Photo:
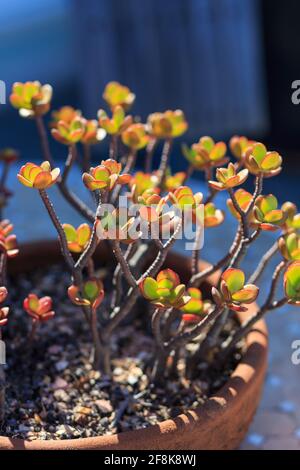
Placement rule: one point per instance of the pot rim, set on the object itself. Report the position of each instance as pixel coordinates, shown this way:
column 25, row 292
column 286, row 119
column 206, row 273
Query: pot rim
column 252, row 365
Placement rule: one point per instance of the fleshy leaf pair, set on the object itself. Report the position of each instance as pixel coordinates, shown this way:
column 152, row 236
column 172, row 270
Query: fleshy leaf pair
column 38, row 309
column 38, row 177
column 289, row 246
column 135, row 137
column 233, row 290
column 212, row 216
column 238, row 145
column 77, row 239
column 259, row 161
column 184, row 198
column 141, row 182
column 228, row 178
column 165, row 291
column 196, row 308
column 92, row 294
column 292, row 283
column 105, row 176
column 206, row 153
column 167, row 125
column 31, row 98
column 267, row 216
column 116, row 94
column 117, row 124
column 8, row 241
column 173, row 182
column 69, row 133
column 292, row 221
column 116, row 225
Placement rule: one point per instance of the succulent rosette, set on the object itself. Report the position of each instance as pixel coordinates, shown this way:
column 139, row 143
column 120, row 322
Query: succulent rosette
column 66, row 114
column 196, row 308
column 167, row 125
column 292, row 283
column 206, row 154
column 259, row 161
column 77, row 239
column 117, row 124
column 243, row 199
column 31, row 98
column 8, row 241
column 39, row 309
column 292, row 221
column 234, row 292
column 289, row 246
column 93, row 134
column 69, row 133
column 116, row 94
column 116, row 225
column 165, row 291
column 184, row 198
column 91, row 294
column 38, row 177
column 238, row 145
column 135, row 137
column 173, row 182
column 141, row 182
column 267, row 216
column 212, row 216
column 228, row 178
column 105, row 176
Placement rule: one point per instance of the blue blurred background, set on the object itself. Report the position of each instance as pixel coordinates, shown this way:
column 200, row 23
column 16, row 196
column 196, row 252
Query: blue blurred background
column 228, row 64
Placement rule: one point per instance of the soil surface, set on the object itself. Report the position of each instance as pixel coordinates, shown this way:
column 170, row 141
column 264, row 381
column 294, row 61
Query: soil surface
column 53, row 392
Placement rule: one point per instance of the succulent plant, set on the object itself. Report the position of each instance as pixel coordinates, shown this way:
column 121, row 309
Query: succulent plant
column 77, row 239
column 135, row 136
column 206, row 154
column 116, row 94
column 228, row 178
column 266, row 213
column 233, row 290
column 38, row 177
column 105, row 176
column 292, row 283
column 39, row 309
column 186, row 327
column 165, row 291
column 259, row 160
column 31, row 98
column 91, row 295
column 167, row 125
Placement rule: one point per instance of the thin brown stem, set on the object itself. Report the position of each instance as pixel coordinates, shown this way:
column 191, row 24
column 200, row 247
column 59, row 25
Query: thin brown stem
column 198, row 278
column 263, row 263
column 149, row 155
column 269, row 304
column 69, row 163
column 187, row 336
column 86, row 161
column 60, row 231
column 113, row 147
column 164, row 162
column 73, row 200
column 123, row 263
column 196, row 250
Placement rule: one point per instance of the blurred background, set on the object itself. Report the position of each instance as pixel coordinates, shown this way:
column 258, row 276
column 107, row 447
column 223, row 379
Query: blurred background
column 229, row 64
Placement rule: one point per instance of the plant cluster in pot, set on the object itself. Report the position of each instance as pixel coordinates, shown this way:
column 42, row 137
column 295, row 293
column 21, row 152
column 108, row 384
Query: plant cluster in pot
column 127, row 345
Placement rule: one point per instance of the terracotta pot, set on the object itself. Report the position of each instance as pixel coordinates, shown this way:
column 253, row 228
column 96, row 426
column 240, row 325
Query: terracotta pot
column 221, row 423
